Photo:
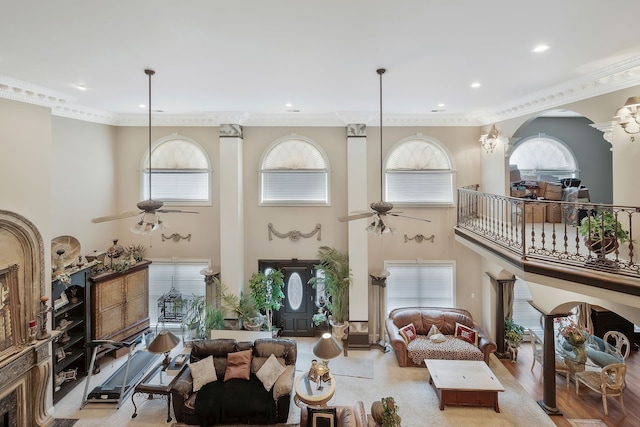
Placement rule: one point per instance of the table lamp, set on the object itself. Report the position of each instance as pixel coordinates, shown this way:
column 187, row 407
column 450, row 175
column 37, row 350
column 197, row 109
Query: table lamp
column 164, row 343
column 326, row 348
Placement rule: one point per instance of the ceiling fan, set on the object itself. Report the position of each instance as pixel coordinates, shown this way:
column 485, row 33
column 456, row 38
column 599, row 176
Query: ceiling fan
column 380, row 209
column 149, row 209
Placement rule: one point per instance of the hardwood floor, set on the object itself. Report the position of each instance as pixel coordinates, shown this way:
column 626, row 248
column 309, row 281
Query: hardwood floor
column 586, row 405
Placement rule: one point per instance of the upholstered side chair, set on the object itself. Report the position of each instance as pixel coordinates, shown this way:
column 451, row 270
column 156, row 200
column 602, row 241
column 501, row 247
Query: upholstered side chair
column 536, row 347
column 608, row 382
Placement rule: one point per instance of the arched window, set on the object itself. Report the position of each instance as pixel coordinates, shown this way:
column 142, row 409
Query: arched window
column 294, row 171
column 418, row 170
column 180, row 172
column 544, row 158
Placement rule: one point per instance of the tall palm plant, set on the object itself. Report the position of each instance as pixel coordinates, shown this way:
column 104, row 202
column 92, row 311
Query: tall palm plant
column 337, row 279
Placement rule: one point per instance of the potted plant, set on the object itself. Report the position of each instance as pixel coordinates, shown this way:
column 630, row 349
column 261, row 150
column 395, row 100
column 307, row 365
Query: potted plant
column 337, row 279
column 201, row 317
column 243, row 307
column 602, row 232
column 266, row 290
column 385, row 412
column 513, row 334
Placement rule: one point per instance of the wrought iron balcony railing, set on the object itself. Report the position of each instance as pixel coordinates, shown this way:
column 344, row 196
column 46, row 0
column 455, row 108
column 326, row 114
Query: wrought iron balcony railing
column 549, row 231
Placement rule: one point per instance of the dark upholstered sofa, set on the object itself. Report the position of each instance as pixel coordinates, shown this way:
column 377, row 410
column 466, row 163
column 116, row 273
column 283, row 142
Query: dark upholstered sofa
column 445, row 319
column 236, row 400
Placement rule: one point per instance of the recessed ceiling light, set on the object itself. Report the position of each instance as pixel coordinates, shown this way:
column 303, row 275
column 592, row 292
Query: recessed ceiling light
column 142, row 106
column 540, row 48
column 441, row 105
column 288, row 105
column 475, row 85
column 81, row 87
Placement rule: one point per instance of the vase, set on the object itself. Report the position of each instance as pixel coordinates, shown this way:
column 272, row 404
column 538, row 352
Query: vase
column 339, row 330
column 115, row 251
column 581, row 353
column 576, row 340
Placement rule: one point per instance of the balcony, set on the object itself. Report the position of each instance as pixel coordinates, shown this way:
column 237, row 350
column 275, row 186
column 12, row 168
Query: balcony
column 518, row 231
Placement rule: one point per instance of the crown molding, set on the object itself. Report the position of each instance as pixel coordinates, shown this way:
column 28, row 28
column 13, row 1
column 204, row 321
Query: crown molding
column 622, row 75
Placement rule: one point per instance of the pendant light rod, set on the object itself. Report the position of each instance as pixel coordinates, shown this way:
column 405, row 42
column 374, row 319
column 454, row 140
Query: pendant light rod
column 380, row 72
column 150, row 73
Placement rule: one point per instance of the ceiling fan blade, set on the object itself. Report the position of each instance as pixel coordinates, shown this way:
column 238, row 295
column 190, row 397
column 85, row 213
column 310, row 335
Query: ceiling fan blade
column 410, row 217
column 175, row 211
column 121, row 215
column 357, row 216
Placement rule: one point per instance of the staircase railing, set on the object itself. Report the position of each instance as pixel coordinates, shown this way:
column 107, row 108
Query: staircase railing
column 548, row 230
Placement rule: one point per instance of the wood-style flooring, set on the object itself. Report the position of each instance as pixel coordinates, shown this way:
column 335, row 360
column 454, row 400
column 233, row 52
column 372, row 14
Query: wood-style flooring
column 586, row 405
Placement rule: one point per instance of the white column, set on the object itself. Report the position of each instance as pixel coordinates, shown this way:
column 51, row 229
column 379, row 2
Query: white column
column 231, row 208
column 358, row 239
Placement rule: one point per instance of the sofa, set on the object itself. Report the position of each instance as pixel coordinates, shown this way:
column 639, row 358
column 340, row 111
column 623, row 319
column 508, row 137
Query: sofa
column 461, row 338
column 236, row 392
column 345, row 416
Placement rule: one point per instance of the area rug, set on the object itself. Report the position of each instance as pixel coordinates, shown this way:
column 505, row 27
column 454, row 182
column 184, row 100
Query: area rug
column 340, row 366
column 64, row 422
column 586, row 423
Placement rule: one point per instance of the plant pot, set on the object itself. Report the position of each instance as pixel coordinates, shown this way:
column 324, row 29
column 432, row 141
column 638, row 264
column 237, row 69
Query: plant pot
column 339, row 330
column 602, row 246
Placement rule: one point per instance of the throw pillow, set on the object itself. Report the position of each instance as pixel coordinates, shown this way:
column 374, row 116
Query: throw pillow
column 203, row 372
column 321, row 417
column 238, row 365
column 434, row 330
column 437, row 338
column 466, row 333
column 270, row 372
column 408, row 333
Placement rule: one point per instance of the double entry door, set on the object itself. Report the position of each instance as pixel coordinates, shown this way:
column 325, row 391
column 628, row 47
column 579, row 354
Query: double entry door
column 301, row 299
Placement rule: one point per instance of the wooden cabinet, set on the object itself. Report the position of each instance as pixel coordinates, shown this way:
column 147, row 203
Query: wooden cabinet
column 120, row 303
column 72, row 318
column 605, row 320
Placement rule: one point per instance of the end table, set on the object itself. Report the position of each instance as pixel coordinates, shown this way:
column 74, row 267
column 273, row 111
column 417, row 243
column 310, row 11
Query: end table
column 159, row 382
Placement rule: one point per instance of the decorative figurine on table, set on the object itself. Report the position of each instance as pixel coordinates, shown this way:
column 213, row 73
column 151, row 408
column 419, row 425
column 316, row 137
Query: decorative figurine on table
column 42, row 316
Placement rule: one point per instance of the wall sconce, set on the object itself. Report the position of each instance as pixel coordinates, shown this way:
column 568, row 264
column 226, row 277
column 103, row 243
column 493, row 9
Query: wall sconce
column 489, row 140
column 628, row 118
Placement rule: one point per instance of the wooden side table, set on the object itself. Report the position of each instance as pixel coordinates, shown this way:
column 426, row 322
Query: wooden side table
column 159, row 382
column 308, row 394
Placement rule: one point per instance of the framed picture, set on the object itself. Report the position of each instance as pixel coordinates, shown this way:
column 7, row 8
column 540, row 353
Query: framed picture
column 61, row 302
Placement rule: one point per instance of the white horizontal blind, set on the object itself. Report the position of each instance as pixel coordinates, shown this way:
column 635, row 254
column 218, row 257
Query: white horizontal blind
column 177, row 185
column 185, row 277
column 419, row 186
column 294, row 186
column 523, row 313
column 420, row 285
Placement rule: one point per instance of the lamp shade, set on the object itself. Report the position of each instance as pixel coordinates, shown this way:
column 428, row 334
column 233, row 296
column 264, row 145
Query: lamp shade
column 164, row 342
column 327, row 348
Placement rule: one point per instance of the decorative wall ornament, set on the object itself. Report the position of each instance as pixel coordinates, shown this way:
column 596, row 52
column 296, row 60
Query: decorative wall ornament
column 356, row 130
column 295, row 235
column 230, row 130
column 419, row 238
column 176, row 237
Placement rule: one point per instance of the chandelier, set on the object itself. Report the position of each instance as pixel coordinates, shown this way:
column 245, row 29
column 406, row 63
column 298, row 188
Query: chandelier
column 490, row 140
column 628, row 118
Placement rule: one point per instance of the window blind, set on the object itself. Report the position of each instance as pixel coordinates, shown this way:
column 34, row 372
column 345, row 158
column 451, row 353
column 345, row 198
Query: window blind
column 420, row 285
column 294, row 187
column 177, row 185
column 419, row 187
column 523, row 313
column 184, row 276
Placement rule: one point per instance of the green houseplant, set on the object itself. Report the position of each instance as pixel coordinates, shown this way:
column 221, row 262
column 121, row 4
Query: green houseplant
column 201, row 317
column 266, row 290
column 337, row 279
column 602, row 232
column 513, row 334
column 242, row 306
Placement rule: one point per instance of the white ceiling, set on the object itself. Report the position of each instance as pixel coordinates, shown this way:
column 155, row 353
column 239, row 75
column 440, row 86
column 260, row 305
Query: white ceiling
column 241, row 61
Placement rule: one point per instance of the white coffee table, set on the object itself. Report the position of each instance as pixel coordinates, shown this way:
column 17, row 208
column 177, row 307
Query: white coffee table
column 464, row 383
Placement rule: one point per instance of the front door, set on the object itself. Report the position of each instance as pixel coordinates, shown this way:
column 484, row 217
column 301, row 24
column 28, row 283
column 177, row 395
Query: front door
column 295, row 317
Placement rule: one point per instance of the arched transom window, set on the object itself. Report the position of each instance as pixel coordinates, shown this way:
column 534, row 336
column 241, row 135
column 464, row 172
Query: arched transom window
column 418, row 170
column 180, row 172
column 294, row 171
column 544, row 158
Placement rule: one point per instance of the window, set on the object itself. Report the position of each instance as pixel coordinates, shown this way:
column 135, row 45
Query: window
column 184, row 276
column 523, row 313
column 180, row 172
column 418, row 171
column 294, row 171
column 544, row 158
column 428, row 284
